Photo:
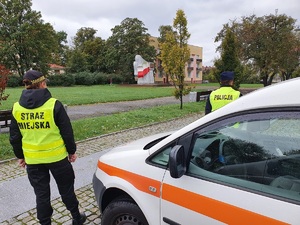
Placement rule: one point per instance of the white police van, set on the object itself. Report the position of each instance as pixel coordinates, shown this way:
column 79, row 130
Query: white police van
column 237, row 165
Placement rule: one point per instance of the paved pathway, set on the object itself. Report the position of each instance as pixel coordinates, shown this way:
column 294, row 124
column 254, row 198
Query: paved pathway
column 77, row 112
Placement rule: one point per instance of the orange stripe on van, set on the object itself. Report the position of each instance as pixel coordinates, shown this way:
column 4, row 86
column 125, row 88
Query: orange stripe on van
column 139, row 182
column 218, row 210
column 212, row 208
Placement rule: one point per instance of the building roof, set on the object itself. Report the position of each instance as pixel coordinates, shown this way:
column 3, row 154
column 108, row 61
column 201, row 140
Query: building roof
column 55, row 66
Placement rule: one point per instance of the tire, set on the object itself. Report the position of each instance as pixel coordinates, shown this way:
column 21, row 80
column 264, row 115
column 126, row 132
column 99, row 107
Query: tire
column 123, row 212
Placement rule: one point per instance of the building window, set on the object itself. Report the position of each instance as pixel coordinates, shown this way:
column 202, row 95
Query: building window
column 160, row 74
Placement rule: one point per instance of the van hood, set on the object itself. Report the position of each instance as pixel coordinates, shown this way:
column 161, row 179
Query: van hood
column 141, row 145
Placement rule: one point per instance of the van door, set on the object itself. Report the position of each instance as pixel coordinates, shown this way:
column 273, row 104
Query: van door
column 242, row 170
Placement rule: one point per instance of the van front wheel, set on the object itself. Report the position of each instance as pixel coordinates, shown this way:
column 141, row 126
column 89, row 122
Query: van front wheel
column 123, row 212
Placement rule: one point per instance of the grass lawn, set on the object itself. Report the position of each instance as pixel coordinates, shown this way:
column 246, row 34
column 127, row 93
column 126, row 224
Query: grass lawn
column 92, row 127
column 80, row 95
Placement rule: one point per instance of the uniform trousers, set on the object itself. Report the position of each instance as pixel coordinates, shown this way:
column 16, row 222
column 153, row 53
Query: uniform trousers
column 39, row 177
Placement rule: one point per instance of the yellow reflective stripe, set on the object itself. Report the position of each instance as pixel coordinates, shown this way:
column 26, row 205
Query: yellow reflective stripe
column 45, row 154
column 51, row 145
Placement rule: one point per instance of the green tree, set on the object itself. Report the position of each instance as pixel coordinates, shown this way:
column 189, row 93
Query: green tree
column 128, row 39
column 229, row 60
column 83, row 35
column 95, row 51
column 290, row 55
column 25, row 40
column 163, row 31
column 88, row 53
column 77, row 61
column 175, row 53
column 61, row 56
column 266, row 45
column 266, row 41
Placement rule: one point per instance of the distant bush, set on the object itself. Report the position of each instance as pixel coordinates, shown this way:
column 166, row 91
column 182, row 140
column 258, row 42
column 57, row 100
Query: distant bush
column 104, row 78
column 84, row 78
column 14, row 81
column 116, row 78
column 87, row 78
column 64, row 80
column 69, row 79
column 101, row 78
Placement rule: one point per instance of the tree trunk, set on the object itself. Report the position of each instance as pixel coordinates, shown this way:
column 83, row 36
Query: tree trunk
column 180, row 95
column 181, row 103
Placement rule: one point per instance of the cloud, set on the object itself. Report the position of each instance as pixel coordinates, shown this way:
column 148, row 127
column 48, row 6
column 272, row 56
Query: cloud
column 205, row 17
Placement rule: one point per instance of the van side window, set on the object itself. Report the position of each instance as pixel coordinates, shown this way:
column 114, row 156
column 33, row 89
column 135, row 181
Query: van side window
column 162, row 157
column 261, row 155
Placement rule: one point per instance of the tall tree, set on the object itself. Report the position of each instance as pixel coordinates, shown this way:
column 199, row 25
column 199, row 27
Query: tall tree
column 88, row 52
column 266, row 40
column 77, row 61
column 25, row 40
column 83, row 35
column 128, row 39
column 229, row 60
column 267, row 44
column 289, row 57
column 175, row 53
column 61, row 56
column 95, row 51
column 163, row 31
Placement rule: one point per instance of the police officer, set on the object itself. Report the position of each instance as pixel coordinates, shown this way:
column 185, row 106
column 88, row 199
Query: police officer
column 224, row 95
column 42, row 139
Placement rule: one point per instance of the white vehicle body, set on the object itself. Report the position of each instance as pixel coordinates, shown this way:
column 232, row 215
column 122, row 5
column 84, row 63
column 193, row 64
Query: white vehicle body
column 258, row 182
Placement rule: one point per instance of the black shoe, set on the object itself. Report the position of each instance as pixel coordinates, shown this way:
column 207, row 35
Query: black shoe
column 81, row 220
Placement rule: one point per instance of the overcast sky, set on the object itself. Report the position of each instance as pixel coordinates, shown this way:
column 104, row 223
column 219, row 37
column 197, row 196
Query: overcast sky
column 205, row 17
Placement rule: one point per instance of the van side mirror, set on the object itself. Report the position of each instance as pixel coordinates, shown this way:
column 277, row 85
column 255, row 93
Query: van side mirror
column 177, row 162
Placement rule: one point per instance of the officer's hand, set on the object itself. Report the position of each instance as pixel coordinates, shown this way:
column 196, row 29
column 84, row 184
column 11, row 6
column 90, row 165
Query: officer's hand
column 72, row 157
column 21, row 163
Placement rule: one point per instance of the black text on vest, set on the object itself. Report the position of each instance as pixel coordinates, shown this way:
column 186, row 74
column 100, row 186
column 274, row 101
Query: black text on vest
column 223, row 97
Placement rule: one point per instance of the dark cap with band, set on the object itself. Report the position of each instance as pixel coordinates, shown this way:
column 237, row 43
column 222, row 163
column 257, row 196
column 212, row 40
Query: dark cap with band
column 227, row 75
column 34, row 76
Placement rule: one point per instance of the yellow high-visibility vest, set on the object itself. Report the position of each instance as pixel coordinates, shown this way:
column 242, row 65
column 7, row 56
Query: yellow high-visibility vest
column 41, row 139
column 222, row 96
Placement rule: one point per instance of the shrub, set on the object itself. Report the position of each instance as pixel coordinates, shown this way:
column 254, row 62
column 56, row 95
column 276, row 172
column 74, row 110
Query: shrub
column 84, row 78
column 101, row 78
column 115, row 78
column 14, row 81
column 64, row 80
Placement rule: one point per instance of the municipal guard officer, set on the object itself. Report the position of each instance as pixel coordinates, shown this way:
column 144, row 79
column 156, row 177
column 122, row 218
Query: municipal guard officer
column 42, row 139
column 224, row 95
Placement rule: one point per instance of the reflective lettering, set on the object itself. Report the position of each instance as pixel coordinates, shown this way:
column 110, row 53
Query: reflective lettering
column 34, row 125
column 33, row 116
column 223, row 97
